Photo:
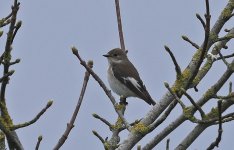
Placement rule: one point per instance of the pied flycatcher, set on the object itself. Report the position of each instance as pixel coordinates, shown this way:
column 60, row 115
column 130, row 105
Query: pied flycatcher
column 123, row 77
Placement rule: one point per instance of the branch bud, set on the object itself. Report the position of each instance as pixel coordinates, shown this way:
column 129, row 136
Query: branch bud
column 40, row 138
column 90, row 63
column 95, row 115
column 18, row 24
column 74, row 50
column 50, row 102
column 185, row 38
column 166, row 84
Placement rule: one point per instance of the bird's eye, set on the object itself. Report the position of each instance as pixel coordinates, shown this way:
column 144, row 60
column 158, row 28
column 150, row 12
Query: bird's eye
column 115, row 55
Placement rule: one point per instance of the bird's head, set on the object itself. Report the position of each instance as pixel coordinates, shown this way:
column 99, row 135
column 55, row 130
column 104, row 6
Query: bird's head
column 116, row 55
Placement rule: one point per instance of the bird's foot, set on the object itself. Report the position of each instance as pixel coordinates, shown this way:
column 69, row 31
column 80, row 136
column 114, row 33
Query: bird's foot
column 123, row 101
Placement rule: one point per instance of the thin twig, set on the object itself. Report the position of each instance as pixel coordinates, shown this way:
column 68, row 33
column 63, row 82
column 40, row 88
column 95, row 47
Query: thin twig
column 6, row 20
column 98, row 136
column 12, row 138
column 230, row 95
column 177, row 67
column 121, row 36
column 227, row 56
column 201, row 20
column 225, row 38
column 223, row 59
column 101, row 83
column 131, row 124
column 168, row 144
column 156, row 123
column 220, row 130
column 193, row 102
column 5, row 23
column 18, row 25
column 102, row 119
column 38, row 142
column 8, row 48
column 205, row 44
column 230, row 87
column 70, row 125
column 192, row 43
column 174, row 95
column 7, row 75
column 34, row 119
column 15, row 62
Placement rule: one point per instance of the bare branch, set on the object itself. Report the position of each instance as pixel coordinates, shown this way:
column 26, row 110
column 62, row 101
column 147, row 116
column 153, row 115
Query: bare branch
column 230, row 95
column 70, row 125
column 227, row 56
column 168, row 144
column 156, row 123
column 5, row 21
column 177, row 67
column 192, row 43
column 8, row 48
column 34, row 119
column 102, row 119
column 191, row 137
column 7, row 75
column 18, row 25
column 201, row 20
column 227, row 37
column 39, row 139
column 175, row 96
column 98, row 136
column 159, row 137
column 193, row 102
column 224, row 60
column 191, row 72
column 230, row 87
column 220, row 130
column 15, row 62
column 120, row 28
column 205, row 45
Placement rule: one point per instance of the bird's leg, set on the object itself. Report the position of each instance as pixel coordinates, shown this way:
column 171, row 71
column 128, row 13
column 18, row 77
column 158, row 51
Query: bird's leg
column 123, row 100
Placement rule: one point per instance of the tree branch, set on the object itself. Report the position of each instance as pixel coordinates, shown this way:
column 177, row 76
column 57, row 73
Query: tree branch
column 201, row 20
column 224, row 60
column 34, row 119
column 156, row 123
column 121, row 36
column 8, row 48
column 103, row 120
column 168, row 144
column 98, row 136
column 177, row 67
column 194, row 103
column 39, row 139
column 70, row 125
column 174, row 95
column 192, row 43
column 220, row 130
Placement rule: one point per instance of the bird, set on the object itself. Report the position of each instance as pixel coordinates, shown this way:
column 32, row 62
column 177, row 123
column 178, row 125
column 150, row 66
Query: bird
column 124, row 78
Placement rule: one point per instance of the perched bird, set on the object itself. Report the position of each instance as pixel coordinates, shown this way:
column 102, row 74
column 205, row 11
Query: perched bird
column 123, row 77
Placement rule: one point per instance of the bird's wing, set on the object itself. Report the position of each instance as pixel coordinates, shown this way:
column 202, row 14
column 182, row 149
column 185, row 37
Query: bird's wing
column 131, row 79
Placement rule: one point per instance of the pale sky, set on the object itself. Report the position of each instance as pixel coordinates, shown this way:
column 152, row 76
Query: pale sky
column 48, row 69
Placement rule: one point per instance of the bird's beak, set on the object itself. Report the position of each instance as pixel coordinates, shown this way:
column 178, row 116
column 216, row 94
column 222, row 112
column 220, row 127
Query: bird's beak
column 106, row 55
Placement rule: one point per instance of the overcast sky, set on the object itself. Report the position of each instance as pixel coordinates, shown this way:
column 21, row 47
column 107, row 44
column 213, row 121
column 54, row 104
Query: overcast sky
column 49, row 70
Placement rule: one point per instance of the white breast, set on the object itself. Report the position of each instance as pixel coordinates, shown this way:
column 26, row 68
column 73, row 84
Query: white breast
column 117, row 86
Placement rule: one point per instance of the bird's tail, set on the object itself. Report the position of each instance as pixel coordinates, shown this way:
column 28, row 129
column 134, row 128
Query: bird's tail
column 149, row 100
column 152, row 102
